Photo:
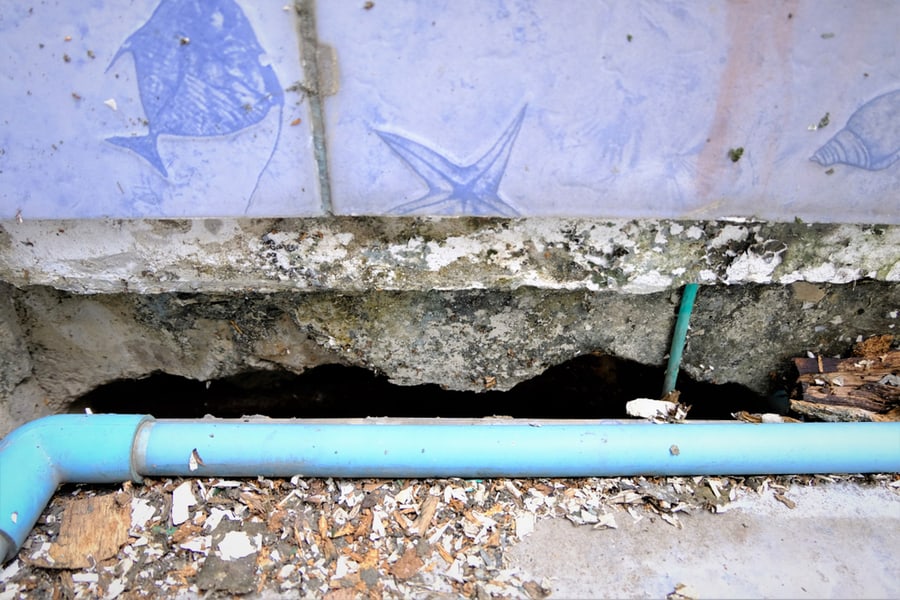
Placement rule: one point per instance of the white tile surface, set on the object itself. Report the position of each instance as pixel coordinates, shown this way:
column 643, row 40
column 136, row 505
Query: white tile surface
column 200, row 82
column 176, row 108
column 627, row 108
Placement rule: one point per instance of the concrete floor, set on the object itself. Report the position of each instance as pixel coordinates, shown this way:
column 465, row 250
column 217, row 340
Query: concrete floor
column 839, row 541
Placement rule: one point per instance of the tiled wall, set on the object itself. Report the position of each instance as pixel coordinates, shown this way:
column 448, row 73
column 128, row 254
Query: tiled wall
column 627, row 108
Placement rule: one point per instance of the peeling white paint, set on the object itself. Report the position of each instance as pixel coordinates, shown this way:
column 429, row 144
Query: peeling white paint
column 694, row 233
column 826, row 273
column 707, row 276
column 412, row 248
column 647, row 283
column 728, row 235
column 440, row 255
column 221, row 255
column 751, row 267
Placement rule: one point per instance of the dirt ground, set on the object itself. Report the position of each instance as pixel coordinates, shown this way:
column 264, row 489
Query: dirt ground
column 676, row 537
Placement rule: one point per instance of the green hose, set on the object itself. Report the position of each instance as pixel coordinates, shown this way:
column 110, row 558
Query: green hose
column 679, row 336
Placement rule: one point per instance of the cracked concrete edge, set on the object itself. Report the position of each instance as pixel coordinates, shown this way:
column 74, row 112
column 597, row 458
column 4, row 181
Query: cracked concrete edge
column 354, row 254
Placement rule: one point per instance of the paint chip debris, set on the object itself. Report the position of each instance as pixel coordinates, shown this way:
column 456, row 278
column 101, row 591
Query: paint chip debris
column 237, row 544
column 111, row 102
column 141, row 512
column 333, row 538
column 524, row 524
column 606, row 521
column 182, row 500
column 195, row 462
column 659, row 411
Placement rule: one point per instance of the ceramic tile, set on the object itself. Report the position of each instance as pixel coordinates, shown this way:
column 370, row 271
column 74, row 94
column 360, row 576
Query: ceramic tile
column 174, row 108
column 615, row 109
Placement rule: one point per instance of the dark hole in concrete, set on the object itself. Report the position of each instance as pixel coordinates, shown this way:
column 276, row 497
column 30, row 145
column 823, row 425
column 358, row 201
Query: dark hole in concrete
column 587, row 387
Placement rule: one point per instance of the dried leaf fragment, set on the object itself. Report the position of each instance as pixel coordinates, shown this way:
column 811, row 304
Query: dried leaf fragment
column 448, row 558
column 408, row 565
column 426, row 514
column 785, row 500
column 681, row 592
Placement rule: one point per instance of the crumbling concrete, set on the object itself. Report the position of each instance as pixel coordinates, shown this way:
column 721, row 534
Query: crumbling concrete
column 15, row 357
column 469, row 304
column 347, row 254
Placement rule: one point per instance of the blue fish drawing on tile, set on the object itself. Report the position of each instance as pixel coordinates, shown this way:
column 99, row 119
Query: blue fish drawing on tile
column 453, row 188
column 199, row 74
column 871, row 138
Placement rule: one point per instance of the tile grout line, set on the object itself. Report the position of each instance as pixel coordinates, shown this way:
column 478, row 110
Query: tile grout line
column 306, row 25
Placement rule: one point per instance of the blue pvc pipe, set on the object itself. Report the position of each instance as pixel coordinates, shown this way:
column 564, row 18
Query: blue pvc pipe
column 113, row 448
column 37, row 457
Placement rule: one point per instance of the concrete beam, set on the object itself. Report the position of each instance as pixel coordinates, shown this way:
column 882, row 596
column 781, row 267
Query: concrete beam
column 356, row 254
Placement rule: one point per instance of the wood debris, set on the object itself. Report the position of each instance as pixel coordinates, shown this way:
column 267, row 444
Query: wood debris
column 860, row 388
column 93, row 529
column 331, row 538
column 747, row 417
column 785, row 500
column 873, row 346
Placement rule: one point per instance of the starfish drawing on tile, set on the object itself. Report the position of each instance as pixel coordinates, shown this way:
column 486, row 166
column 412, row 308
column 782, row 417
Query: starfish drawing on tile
column 458, row 189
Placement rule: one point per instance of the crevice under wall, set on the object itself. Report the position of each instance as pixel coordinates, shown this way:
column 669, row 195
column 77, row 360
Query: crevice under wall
column 59, row 346
column 468, row 304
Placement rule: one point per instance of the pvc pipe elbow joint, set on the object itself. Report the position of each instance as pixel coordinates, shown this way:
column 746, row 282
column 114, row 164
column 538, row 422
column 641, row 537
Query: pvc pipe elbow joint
column 38, row 456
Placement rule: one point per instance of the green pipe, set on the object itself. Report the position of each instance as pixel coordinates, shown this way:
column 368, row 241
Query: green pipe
column 679, row 337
